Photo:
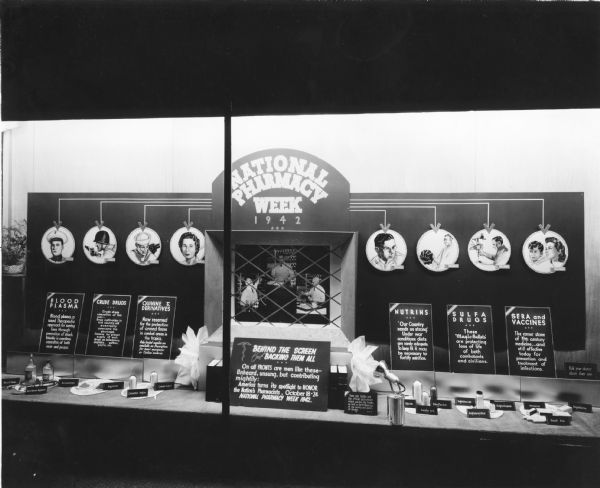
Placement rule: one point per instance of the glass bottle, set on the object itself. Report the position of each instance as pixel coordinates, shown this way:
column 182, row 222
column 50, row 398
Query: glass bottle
column 48, row 372
column 30, row 371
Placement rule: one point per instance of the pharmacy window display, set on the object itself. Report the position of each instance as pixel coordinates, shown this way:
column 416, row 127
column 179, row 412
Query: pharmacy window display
column 388, row 306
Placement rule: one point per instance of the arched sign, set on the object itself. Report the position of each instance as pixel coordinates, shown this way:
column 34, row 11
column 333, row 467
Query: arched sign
column 284, row 189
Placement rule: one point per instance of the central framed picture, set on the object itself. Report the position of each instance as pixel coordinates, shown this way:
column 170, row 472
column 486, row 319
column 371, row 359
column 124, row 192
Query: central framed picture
column 283, row 284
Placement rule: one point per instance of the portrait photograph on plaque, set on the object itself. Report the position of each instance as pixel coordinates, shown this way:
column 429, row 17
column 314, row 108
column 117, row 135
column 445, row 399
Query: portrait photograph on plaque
column 100, row 245
column 489, row 250
column 143, row 246
column 437, row 250
column 187, row 246
column 545, row 252
column 386, row 250
column 58, row 245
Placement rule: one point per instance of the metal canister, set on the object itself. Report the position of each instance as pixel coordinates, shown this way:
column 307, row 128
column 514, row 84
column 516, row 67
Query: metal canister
column 395, row 407
column 153, row 379
column 433, row 394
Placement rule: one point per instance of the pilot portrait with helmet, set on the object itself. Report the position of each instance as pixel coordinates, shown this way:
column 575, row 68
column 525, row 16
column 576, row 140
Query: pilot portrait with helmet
column 100, row 245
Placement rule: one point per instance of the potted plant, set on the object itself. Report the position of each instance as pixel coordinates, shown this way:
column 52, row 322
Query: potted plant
column 14, row 247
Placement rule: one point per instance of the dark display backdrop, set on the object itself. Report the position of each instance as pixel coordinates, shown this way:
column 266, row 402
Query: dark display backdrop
column 563, row 292
column 60, row 58
column 168, row 278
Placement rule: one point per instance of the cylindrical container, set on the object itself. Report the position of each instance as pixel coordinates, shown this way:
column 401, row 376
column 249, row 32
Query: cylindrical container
column 395, row 405
column 479, row 399
column 418, row 392
column 425, row 398
column 153, row 378
column 132, row 381
column 433, row 393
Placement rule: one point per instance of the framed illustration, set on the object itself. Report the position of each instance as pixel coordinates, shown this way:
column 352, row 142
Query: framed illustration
column 187, row 246
column 143, row 246
column 437, row 250
column 58, row 245
column 545, row 252
column 100, row 245
column 386, row 250
column 489, row 250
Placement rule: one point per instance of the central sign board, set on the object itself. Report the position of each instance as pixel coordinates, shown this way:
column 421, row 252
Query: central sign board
column 272, row 373
column 284, row 189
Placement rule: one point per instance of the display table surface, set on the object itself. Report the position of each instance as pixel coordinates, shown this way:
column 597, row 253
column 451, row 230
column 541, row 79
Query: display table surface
column 183, row 400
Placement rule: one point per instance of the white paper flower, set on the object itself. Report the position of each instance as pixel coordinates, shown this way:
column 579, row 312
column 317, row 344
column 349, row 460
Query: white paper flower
column 189, row 356
column 362, row 366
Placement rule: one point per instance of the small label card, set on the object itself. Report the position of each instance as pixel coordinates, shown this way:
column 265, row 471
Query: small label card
column 504, row 405
column 410, row 403
column 360, row 403
column 528, row 405
column 113, row 385
column 427, row 410
column 587, row 371
column 68, row 382
column 10, row 382
column 36, row 390
column 552, row 420
column 164, row 385
column 478, row 413
column 464, row 401
column 446, row 404
column 581, row 407
column 137, row 392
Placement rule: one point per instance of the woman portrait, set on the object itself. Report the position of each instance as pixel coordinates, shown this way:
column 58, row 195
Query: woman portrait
column 187, row 246
column 555, row 251
column 545, row 253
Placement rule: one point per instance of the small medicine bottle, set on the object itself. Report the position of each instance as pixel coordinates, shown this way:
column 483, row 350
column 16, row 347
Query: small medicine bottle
column 30, row 371
column 48, row 372
column 479, row 399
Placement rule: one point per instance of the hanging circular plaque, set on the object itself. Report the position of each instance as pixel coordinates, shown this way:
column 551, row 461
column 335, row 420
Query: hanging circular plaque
column 143, row 246
column 100, row 245
column 58, row 245
column 489, row 250
column 546, row 252
column 386, row 250
column 437, row 251
column 187, row 246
